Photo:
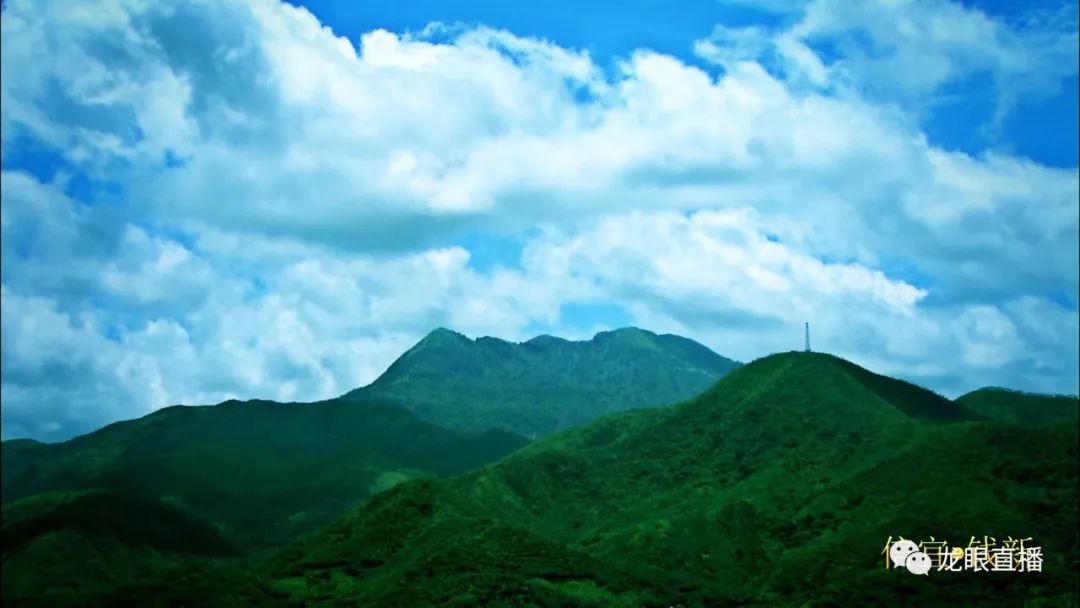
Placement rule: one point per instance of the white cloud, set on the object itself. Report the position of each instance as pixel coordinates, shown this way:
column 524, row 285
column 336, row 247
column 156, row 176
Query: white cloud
column 918, row 53
column 718, row 274
column 306, row 237
column 733, row 45
column 151, row 270
column 914, row 49
column 989, row 337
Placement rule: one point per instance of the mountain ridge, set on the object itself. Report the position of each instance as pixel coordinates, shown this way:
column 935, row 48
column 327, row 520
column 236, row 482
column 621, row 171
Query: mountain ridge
column 544, row 384
column 1021, row 407
column 239, row 439
column 776, row 486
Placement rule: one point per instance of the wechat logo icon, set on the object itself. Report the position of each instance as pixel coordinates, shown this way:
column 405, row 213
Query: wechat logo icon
column 918, row 563
column 906, row 554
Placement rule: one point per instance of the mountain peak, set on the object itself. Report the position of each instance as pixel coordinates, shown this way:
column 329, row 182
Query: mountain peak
column 545, row 339
column 442, row 334
column 441, row 338
column 626, row 331
column 626, row 335
column 818, row 375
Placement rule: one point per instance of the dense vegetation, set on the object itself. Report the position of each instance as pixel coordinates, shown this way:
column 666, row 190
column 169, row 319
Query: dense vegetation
column 265, row 472
column 1017, row 407
column 105, row 548
column 777, row 486
column 546, row 384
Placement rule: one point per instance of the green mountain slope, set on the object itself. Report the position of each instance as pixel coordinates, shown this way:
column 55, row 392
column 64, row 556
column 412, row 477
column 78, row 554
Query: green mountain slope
column 1022, row 408
column 779, row 486
column 266, row 472
column 135, row 520
column 545, row 384
column 109, row 548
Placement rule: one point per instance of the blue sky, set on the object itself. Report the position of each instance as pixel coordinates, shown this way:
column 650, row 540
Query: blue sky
column 267, row 200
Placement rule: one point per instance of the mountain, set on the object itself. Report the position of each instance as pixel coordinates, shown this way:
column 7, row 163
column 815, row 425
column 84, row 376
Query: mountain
column 1018, row 407
column 546, row 384
column 267, row 472
column 779, row 486
column 108, row 548
column 264, row 472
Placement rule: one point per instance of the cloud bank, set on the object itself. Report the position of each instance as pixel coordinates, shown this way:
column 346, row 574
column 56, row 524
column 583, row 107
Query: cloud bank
column 243, row 204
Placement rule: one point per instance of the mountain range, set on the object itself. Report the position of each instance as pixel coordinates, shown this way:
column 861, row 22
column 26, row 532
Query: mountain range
column 776, row 483
column 266, row 471
column 778, row 486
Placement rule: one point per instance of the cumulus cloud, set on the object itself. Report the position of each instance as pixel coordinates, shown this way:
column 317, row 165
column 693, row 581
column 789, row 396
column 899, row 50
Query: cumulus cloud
column 289, row 200
column 719, row 276
column 915, row 52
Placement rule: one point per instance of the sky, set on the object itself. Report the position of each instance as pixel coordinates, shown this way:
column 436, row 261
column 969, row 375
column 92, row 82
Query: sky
column 254, row 199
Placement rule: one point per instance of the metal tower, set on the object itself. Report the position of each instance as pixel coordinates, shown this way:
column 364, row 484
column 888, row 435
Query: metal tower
column 807, row 336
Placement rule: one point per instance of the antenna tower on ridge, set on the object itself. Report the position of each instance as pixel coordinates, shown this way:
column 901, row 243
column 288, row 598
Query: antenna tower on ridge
column 807, row 336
